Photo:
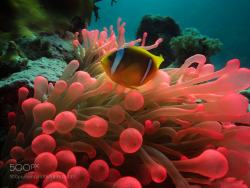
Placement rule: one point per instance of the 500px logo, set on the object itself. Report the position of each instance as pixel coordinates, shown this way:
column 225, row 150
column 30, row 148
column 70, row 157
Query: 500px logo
column 22, row 167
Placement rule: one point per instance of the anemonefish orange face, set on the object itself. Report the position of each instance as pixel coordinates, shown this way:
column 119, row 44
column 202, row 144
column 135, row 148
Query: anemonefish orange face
column 131, row 66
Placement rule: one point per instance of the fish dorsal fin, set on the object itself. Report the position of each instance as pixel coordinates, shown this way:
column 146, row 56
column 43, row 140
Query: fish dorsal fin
column 157, row 59
column 141, row 50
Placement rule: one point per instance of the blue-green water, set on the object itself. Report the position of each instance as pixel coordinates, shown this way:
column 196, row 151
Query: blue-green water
column 228, row 20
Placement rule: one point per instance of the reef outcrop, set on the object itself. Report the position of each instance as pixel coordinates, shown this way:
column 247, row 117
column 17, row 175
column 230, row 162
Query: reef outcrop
column 191, row 42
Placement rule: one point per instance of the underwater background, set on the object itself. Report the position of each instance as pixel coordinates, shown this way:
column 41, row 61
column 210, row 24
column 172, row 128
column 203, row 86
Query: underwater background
column 227, row 20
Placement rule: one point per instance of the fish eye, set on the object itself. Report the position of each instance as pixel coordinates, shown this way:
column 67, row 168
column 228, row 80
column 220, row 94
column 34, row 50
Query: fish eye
column 111, row 57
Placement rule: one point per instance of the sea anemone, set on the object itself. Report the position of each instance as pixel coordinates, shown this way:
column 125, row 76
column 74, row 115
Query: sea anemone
column 184, row 128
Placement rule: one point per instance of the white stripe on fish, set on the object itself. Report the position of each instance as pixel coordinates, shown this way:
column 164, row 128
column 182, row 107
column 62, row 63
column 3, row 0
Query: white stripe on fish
column 118, row 58
column 147, row 71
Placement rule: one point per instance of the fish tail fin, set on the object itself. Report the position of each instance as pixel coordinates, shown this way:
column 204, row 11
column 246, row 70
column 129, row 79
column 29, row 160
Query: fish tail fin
column 158, row 60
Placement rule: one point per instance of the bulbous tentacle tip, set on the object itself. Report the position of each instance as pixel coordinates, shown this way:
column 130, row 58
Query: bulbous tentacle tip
column 130, row 140
column 126, row 182
column 210, row 163
column 98, row 170
column 78, row 176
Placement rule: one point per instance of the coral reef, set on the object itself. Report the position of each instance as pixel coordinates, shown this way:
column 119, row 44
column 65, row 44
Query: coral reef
column 15, row 55
column 185, row 128
column 192, row 42
column 49, row 68
column 160, row 27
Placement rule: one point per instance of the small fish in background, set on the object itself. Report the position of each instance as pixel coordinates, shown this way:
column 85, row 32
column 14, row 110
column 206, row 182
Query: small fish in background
column 131, row 66
column 96, row 8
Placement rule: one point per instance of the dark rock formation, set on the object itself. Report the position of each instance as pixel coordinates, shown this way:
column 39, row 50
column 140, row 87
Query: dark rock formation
column 160, row 27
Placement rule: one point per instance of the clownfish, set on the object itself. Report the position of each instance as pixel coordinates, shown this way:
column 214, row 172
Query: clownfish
column 131, row 66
